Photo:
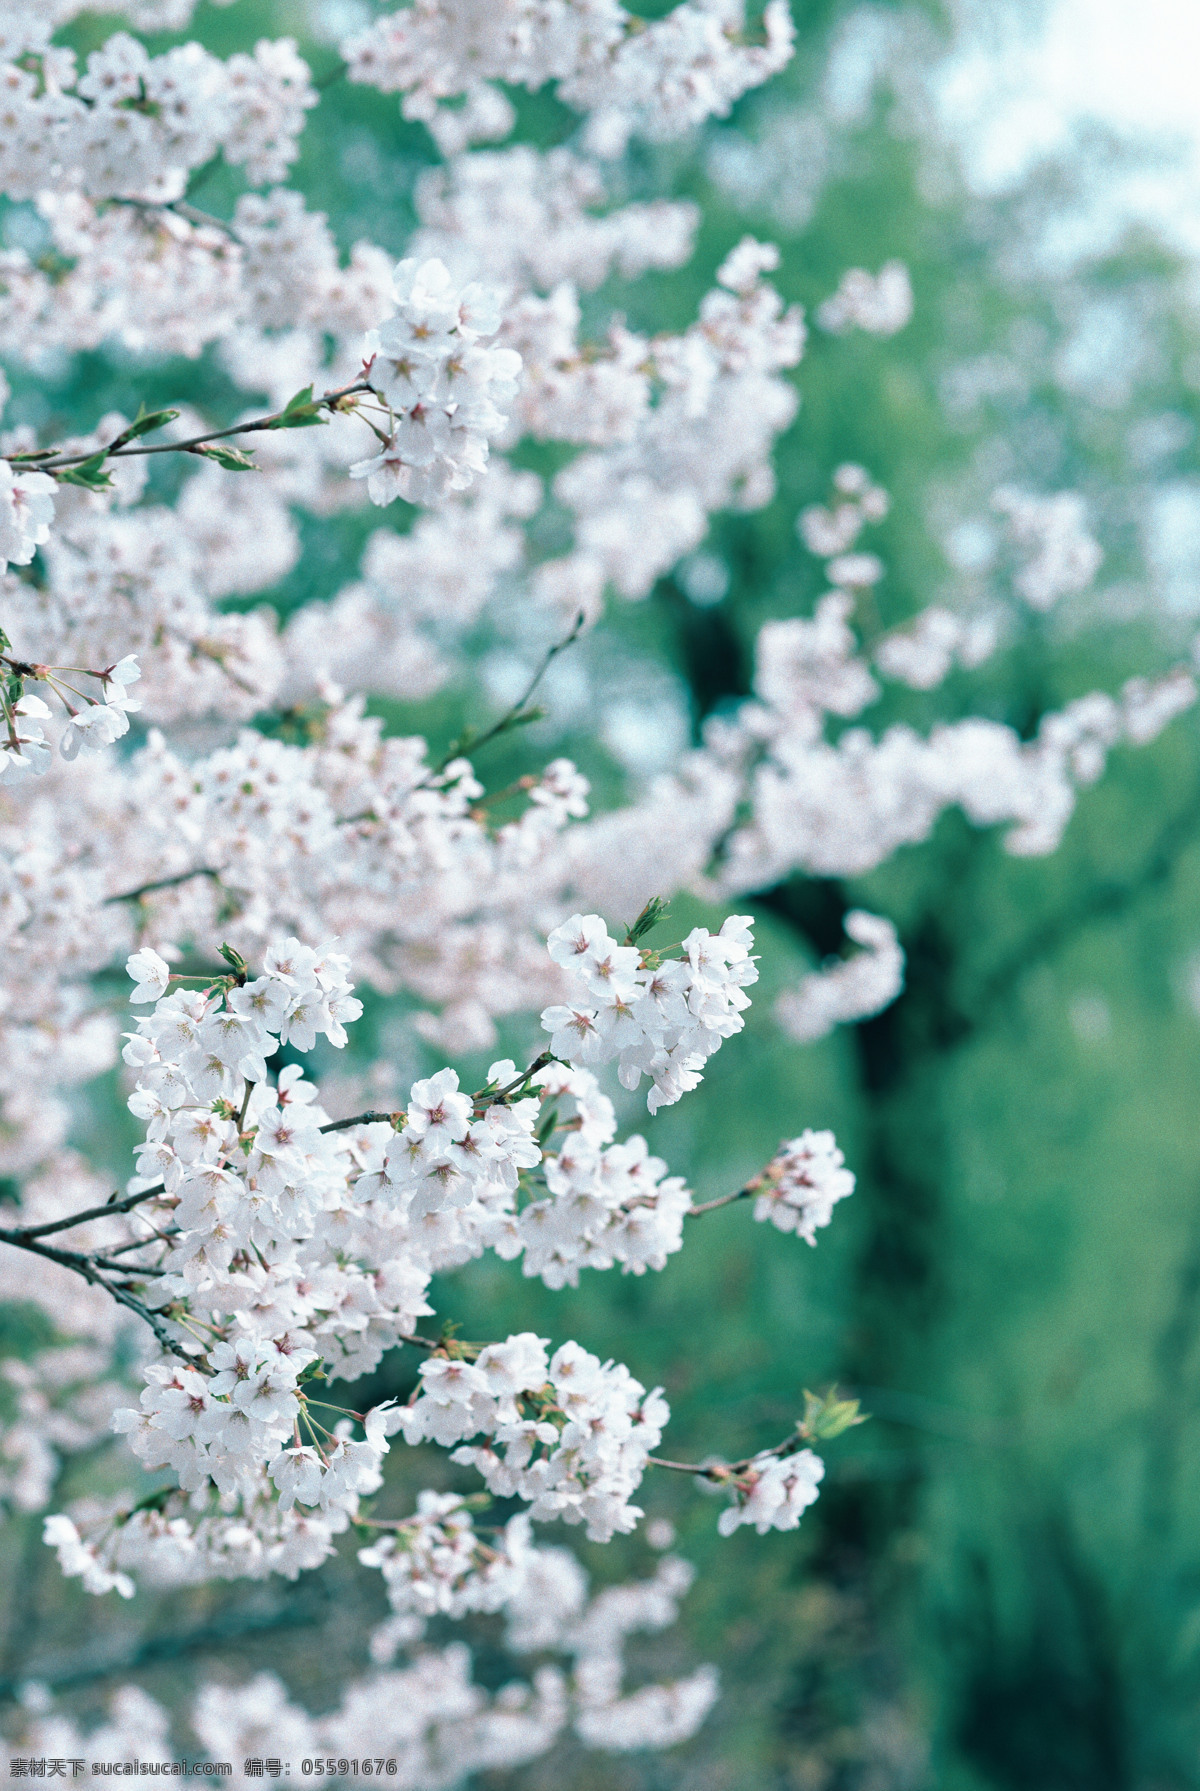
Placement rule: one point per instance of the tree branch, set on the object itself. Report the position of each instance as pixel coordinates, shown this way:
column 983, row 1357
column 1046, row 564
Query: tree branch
column 710, row 1206
column 721, row 1471
column 88, row 1268
column 145, row 889
column 39, row 464
column 23, row 1236
column 362, row 1119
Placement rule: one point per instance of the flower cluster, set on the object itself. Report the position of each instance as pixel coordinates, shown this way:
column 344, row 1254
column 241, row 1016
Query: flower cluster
column 658, row 1017
column 1061, row 555
column 427, row 1713
column 437, row 1561
column 442, row 383
column 569, row 1434
column 832, row 530
column 452, row 1153
column 881, row 304
column 100, row 721
column 773, row 1492
column 609, row 1203
column 135, row 125
column 529, row 218
column 643, row 502
column 26, row 512
column 270, row 1247
column 660, row 77
column 802, row 1184
column 852, row 990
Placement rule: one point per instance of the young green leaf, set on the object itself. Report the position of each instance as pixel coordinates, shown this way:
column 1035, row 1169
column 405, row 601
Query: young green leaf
column 654, row 911
column 300, row 412
column 234, row 460
column 826, row 1416
column 90, row 474
column 142, row 424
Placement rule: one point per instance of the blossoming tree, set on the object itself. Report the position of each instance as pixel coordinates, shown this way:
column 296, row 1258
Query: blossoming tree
column 266, row 839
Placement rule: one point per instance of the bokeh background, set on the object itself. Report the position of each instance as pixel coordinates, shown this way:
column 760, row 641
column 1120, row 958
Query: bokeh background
column 999, row 1589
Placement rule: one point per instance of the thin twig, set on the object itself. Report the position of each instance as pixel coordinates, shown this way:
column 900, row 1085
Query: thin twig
column 86, row 1267
column 145, row 889
column 192, row 214
column 489, row 1099
column 128, row 1268
column 472, row 743
column 501, row 1094
column 361, row 1119
column 21, row 1238
column 727, row 1470
column 156, row 1237
column 192, row 443
column 710, row 1206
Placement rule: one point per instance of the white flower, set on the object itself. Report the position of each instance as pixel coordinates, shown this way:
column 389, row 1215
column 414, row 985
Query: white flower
column 29, row 751
column 443, row 387
column 774, row 1493
column 117, row 680
column 438, row 1113
column 95, row 727
column 664, row 1021
column 297, row 1473
column 151, row 973
column 803, row 1183
column 26, row 512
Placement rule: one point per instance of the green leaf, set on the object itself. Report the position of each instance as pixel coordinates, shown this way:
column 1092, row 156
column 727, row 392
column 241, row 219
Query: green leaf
column 315, row 1371
column 233, row 958
column 654, row 911
column 90, row 474
column 153, row 1501
column 826, row 1416
column 234, row 460
column 142, row 424
column 548, row 1124
column 301, row 411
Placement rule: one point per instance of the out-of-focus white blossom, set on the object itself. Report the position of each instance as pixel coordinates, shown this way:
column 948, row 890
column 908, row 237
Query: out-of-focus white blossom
column 26, row 512
column 854, row 990
column 881, row 304
column 661, row 77
column 1062, row 557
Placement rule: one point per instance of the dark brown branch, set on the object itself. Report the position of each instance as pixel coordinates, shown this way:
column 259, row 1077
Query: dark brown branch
column 22, row 1237
column 88, row 1268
